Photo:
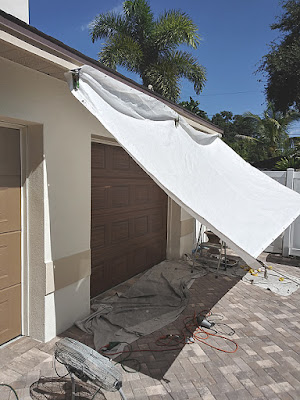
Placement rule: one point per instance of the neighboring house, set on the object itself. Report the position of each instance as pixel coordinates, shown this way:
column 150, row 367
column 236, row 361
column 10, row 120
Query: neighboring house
column 77, row 215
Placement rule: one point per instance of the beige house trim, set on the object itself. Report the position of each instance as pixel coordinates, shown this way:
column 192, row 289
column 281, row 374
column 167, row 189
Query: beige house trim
column 187, row 226
column 67, row 270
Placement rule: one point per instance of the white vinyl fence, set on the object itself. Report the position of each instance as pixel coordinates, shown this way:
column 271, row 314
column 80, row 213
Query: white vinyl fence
column 289, row 242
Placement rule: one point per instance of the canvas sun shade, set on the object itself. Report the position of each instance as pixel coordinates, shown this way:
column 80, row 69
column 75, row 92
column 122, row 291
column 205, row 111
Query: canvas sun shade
column 243, row 206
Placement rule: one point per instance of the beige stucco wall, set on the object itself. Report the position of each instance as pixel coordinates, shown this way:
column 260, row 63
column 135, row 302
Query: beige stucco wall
column 59, row 195
column 187, row 237
column 17, row 8
column 181, row 231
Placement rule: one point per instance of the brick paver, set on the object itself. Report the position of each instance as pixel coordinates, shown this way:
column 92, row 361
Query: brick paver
column 266, row 365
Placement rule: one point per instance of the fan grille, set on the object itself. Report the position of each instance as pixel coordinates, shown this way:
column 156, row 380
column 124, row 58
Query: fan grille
column 87, row 364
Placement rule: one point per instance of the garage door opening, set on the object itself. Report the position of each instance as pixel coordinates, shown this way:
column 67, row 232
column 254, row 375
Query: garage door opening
column 129, row 219
column 10, row 234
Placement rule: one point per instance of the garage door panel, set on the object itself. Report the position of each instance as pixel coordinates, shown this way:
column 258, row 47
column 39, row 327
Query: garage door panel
column 116, row 232
column 137, row 170
column 100, row 217
column 120, row 231
column 10, row 316
column 141, row 194
column 140, row 261
column 118, row 268
column 109, row 274
column 10, row 214
column 141, row 225
column 10, row 249
column 120, row 196
column 119, row 158
column 98, row 236
column 114, row 158
column 128, row 219
column 111, row 250
column 98, row 161
column 157, row 222
column 100, row 197
column 156, row 252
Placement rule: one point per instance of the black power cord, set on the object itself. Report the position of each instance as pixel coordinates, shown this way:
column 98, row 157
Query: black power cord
column 11, row 388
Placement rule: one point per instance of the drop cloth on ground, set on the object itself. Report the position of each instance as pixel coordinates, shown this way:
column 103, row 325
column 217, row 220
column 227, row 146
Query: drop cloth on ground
column 155, row 300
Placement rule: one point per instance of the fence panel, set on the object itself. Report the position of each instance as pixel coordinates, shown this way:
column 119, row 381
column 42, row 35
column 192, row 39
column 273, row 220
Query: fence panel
column 295, row 228
column 277, row 245
column 289, row 242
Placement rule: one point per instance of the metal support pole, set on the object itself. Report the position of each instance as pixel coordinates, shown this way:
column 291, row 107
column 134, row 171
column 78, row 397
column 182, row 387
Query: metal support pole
column 266, row 272
column 220, row 256
column 73, row 386
column 196, row 249
column 122, row 394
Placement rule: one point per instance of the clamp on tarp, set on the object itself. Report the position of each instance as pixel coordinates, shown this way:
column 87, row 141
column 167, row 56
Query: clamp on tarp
column 75, row 78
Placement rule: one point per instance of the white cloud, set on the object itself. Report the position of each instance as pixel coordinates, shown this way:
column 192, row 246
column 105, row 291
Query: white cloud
column 86, row 26
column 294, row 129
column 117, row 9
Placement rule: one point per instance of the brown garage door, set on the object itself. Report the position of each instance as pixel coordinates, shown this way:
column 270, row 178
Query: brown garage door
column 10, row 235
column 129, row 219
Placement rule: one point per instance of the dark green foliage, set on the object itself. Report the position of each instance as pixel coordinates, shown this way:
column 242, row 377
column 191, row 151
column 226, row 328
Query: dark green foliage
column 240, row 134
column 282, row 64
column 193, row 106
column 292, row 159
column 257, row 138
column 148, row 47
column 272, row 129
column 288, row 162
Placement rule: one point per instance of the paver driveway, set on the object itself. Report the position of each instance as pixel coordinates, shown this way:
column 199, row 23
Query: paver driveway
column 265, row 366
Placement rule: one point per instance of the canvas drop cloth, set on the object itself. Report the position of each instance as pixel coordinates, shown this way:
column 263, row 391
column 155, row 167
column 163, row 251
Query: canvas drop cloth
column 243, row 206
column 155, row 300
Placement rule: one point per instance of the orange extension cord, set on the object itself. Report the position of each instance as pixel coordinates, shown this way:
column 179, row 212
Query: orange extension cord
column 200, row 331
column 177, row 341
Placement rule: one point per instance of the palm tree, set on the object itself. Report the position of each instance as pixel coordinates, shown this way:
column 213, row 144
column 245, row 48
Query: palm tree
column 272, row 129
column 149, row 47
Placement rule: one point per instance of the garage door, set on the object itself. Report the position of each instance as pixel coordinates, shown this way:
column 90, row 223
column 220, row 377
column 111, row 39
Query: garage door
column 10, row 235
column 129, row 219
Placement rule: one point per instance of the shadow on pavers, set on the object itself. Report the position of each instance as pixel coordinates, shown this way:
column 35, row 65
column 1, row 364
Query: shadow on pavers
column 279, row 259
column 204, row 294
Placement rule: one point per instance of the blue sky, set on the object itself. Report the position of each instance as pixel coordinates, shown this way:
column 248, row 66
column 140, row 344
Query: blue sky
column 235, row 35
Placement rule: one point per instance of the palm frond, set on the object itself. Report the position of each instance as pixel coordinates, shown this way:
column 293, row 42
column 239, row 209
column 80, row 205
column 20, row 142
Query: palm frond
column 162, row 76
column 174, row 28
column 248, row 138
column 121, row 50
column 276, row 124
column 107, row 25
column 188, row 67
column 249, row 114
column 139, row 18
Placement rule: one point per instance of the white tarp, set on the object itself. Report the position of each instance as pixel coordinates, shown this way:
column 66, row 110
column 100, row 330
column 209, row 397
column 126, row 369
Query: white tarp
column 243, row 206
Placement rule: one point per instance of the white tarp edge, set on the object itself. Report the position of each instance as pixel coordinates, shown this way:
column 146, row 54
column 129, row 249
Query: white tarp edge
column 243, row 206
